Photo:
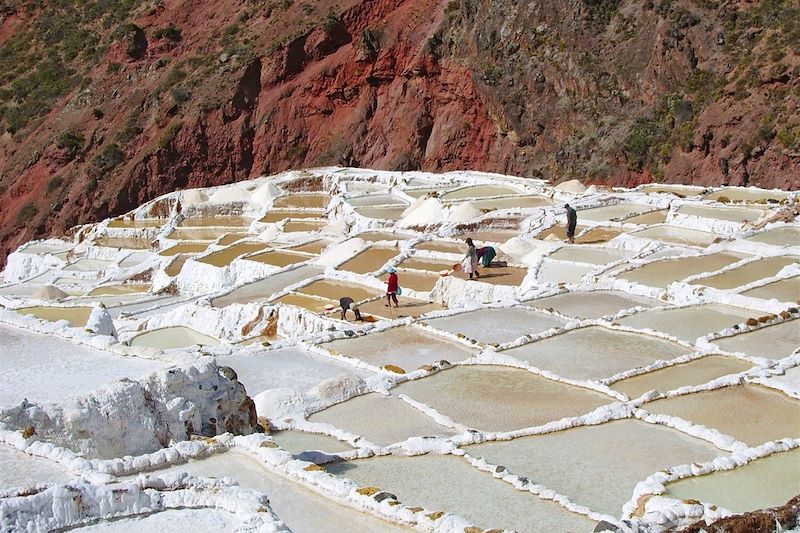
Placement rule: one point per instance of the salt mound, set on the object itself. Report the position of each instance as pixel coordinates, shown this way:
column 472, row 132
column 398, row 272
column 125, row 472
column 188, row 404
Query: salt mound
column 228, row 195
column 100, row 322
column 431, row 211
column 335, row 255
column 571, row 186
column 464, row 212
column 552, row 238
column 193, row 197
column 415, row 204
column 49, row 292
column 265, row 194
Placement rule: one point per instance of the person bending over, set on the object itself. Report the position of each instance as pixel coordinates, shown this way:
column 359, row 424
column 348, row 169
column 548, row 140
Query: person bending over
column 346, row 304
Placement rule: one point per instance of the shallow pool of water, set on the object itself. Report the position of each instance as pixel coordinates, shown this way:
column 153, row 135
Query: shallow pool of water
column 418, row 281
column 666, row 271
column 137, row 223
column 370, row 260
column 424, row 263
column 689, row 323
column 498, row 275
column 442, row 246
column 176, row 265
column 682, row 190
column 787, row 236
column 371, row 200
column 589, row 254
column 185, row 248
column 751, row 413
column 311, row 201
column 653, row 217
column 198, row 234
column 382, row 213
column 613, row 212
column 88, row 265
column 367, row 416
column 496, row 398
column 593, row 304
column 732, row 214
column 767, row 482
column 741, row 194
column 226, row 256
column 485, row 237
column 497, row 325
column 205, row 519
column 172, row 337
column 449, row 483
column 334, row 290
column 299, row 443
column 595, row 352
column 314, row 304
column 774, row 342
column 76, row 316
column 551, row 271
column 692, row 373
column 677, row 235
column 313, row 247
column 512, row 202
column 297, row 226
column 215, row 221
column 118, row 290
column 593, row 236
column 377, row 236
column 280, row 258
column 785, row 290
column 763, row 268
column 408, row 347
column 230, row 238
column 408, row 307
column 276, row 215
column 597, row 466
column 265, row 288
column 130, row 243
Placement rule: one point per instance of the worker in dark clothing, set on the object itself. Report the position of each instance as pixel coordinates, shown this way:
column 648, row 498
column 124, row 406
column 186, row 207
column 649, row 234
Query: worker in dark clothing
column 347, row 303
column 572, row 221
column 486, row 255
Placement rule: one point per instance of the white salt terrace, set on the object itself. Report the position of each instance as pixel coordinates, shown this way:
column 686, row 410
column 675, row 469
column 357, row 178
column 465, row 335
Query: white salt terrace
column 526, row 380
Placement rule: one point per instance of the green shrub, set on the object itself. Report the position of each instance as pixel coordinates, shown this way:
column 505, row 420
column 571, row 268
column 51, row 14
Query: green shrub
column 27, row 212
column 55, row 183
column 170, row 32
column 109, row 159
column 71, row 142
column 180, row 95
column 788, row 137
column 113, row 67
column 169, row 134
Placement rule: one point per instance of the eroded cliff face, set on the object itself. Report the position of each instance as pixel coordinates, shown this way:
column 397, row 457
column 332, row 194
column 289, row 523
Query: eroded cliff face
column 105, row 108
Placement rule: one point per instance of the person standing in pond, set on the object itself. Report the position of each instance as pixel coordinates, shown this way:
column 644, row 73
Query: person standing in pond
column 572, row 221
column 486, row 255
column 391, row 287
column 471, row 259
column 346, row 304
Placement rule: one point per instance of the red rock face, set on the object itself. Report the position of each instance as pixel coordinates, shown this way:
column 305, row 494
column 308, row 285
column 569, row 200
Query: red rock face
column 554, row 90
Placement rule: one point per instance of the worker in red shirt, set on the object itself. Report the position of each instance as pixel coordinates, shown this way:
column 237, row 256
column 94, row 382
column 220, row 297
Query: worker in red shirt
column 392, row 287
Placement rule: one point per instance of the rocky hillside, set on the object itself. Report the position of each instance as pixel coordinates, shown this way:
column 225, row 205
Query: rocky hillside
column 107, row 103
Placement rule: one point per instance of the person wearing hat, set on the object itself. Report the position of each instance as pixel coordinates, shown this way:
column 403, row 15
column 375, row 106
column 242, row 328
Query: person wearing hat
column 347, row 303
column 392, row 286
column 572, row 221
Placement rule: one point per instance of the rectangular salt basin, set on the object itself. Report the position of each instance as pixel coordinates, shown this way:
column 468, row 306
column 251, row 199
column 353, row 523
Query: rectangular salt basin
column 689, row 323
column 377, row 236
column 595, row 352
column 200, row 519
column 172, row 337
column 290, row 500
column 496, row 326
column 751, row 413
column 741, row 194
column 296, row 226
column 597, row 466
column 313, row 247
column 118, row 290
column 512, row 202
column 679, row 190
column 613, row 212
column 442, row 246
column 369, row 415
column 215, row 221
column 44, row 368
column 763, row 268
column 292, row 368
column 21, row 471
column 449, row 483
column 590, row 254
column 76, row 316
column 198, row 234
column 732, row 214
column 407, row 347
column 370, row 260
column 663, row 272
column 496, row 398
column 785, row 290
column 498, row 275
column 418, row 281
column 88, row 265
column 137, row 223
column 551, row 271
column 280, row 258
column 593, row 304
column 673, row 377
column 185, row 248
column 766, row 482
column 130, row 243
column 372, row 200
column 230, row 238
column 478, row 191
column 311, row 201
column 315, row 304
column 226, row 256
column 489, row 236
column 300, row 443
column 408, row 307
column 265, row 288
column 592, row 236
column 382, row 213
column 334, row 290
column 772, row 342
column 176, row 265
column 277, row 215
column 424, row 263
column 784, row 236
column 677, row 235
column 653, row 217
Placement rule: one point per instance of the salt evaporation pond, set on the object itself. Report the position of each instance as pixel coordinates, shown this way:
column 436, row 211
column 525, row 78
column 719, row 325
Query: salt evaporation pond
column 227, row 255
column 785, row 290
column 21, row 471
column 759, row 269
column 665, row 271
column 689, row 323
column 773, row 342
column 480, row 191
column 310, row 201
column 677, row 235
column 300, row 443
column 215, row 221
column 136, row 223
column 278, row 215
column 170, row 520
column 172, row 337
column 743, row 194
column 653, row 217
column 783, row 236
column 291, row 367
column 185, row 248
column 76, row 316
column 673, row 377
column 612, row 212
column 280, row 258
column 767, row 482
column 448, row 483
column 497, row 398
column 590, row 254
column 334, row 290
column 290, row 500
column 512, row 202
column 595, row 352
column 417, row 281
column 492, row 326
column 597, row 475
column 738, row 410
column 732, row 214
column 408, row 307
column 44, row 368
column 370, row 260
column 407, row 347
column 593, row 304
column 551, row 271
column 361, row 416
column 265, row 288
